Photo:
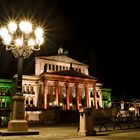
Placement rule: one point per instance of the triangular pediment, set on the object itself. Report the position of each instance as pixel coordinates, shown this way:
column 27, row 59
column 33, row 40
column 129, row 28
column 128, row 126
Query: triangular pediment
column 62, row 58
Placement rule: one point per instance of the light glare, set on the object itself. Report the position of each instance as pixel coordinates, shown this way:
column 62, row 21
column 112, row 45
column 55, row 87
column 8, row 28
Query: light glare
column 39, row 41
column 12, row 26
column 25, row 26
column 31, row 42
column 18, row 42
column 7, row 40
column 22, row 38
column 3, row 32
column 39, row 32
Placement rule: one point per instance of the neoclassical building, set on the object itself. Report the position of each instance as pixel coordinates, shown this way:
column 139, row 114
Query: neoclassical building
column 60, row 81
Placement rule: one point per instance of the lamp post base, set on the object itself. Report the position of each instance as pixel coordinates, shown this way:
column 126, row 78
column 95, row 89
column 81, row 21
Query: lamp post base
column 18, row 125
column 18, row 121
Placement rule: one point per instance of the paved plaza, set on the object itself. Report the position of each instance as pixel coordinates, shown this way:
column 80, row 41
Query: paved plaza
column 70, row 133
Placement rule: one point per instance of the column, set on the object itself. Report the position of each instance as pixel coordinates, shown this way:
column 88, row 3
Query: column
column 45, row 93
column 67, row 96
column 47, row 67
column 77, row 95
column 101, row 100
column 86, row 95
column 36, row 90
column 95, row 95
column 56, row 92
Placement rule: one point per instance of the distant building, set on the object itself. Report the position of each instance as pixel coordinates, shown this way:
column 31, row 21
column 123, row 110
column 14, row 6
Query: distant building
column 106, row 97
column 6, row 91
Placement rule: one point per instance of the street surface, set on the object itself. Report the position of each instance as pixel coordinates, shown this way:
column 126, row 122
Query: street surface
column 70, row 133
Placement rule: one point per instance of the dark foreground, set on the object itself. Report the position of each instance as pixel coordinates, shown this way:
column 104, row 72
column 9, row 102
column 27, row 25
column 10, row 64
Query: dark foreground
column 65, row 132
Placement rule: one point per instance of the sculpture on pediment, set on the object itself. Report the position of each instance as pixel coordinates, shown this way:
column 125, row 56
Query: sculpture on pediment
column 60, row 51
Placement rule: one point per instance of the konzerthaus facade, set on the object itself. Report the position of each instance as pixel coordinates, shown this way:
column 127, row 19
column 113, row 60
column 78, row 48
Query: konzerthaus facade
column 60, row 81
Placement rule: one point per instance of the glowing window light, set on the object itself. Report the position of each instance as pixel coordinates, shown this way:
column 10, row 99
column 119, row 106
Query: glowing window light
column 12, row 26
column 3, row 32
column 31, row 42
column 7, row 40
column 25, row 27
column 18, row 42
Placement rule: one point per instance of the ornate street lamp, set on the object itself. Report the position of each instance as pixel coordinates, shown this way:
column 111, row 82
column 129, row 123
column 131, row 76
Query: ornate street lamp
column 22, row 38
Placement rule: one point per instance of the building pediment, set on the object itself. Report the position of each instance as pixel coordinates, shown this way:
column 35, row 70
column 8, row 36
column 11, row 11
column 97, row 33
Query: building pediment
column 61, row 58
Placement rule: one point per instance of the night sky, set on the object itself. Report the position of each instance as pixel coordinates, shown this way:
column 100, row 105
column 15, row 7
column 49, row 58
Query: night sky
column 102, row 35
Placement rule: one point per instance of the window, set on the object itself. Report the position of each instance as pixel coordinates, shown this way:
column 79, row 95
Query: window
column 63, row 67
column 49, row 66
column 45, row 67
column 31, row 101
column 31, row 89
column 73, row 92
column 91, row 94
column 60, row 68
column 53, row 67
column 56, row 67
column 27, row 102
column 27, row 89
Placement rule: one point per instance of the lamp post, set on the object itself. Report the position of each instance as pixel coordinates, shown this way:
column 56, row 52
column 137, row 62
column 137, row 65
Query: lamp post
column 22, row 38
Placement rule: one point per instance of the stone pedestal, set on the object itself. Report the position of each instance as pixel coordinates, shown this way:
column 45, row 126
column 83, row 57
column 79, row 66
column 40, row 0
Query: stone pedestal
column 17, row 124
column 86, row 123
column 17, row 121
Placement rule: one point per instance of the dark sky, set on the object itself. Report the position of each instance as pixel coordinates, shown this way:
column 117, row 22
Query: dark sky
column 102, row 35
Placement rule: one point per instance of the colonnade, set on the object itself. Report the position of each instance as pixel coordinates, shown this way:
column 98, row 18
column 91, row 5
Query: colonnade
column 67, row 85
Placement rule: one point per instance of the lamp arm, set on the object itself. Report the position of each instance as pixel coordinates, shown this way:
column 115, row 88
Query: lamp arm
column 37, row 48
column 9, row 47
